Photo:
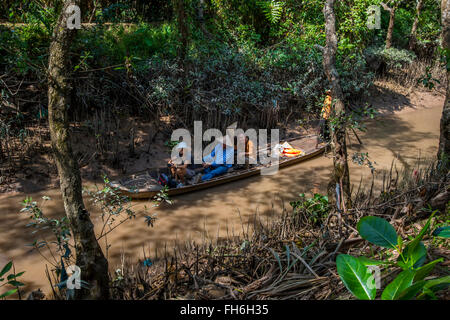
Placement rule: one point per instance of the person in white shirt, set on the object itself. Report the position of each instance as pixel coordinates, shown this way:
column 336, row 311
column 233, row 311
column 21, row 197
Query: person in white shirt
column 218, row 161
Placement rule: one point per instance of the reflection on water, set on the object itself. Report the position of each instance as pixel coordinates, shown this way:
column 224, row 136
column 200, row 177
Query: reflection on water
column 222, row 210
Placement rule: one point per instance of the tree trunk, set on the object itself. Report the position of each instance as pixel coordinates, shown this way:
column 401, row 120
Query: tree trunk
column 341, row 174
column 390, row 30
column 201, row 7
column 444, row 141
column 413, row 39
column 183, row 28
column 201, row 19
column 89, row 256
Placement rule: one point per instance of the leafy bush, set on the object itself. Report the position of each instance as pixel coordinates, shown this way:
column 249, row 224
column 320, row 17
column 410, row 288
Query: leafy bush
column 402, row 29
column 116, row 12
column 410, row 283
column 11, row 280
column 315, row 208
column 427, row 79
column 119, row 42
column 59, row 227
column 272, row 9
column 355, row 80
column 392, row 57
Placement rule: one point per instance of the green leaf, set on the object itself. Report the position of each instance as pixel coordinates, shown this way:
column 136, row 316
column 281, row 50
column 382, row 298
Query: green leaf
column 434, row 285
column 6, row 268
column 415, row 242
column 8, row 293
column 443, row 232
column 400, row 243
column 377, row 231
column 438, row 284
column 370, row 262
column 11, row 277
column 417, row 257
column 422, row 272
column 427, row 292
column 398, row 285
column 410, row 292
column 16, row 283
column 356, row 277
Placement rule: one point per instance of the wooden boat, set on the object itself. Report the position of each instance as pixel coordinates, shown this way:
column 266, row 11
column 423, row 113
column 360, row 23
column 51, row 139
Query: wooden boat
column 143, row 184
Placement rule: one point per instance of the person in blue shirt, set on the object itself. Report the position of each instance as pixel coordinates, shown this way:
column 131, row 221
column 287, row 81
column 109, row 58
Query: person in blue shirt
column 218, row 162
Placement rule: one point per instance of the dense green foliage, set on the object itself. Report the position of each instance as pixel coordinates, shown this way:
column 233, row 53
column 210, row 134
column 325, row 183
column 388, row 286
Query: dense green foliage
column 411, row 282
column 242, row 56
column 315, row 209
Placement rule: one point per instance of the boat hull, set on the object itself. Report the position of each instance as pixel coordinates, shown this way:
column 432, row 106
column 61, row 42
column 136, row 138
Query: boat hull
column 142, row 194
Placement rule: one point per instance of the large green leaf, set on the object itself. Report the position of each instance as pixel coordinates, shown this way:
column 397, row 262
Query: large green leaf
column 398, row 285
column 356, row 277
column 377, row 231
column 6, row 268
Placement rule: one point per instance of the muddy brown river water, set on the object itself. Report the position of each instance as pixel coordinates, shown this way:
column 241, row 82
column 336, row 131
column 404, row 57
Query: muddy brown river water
column 405, row 134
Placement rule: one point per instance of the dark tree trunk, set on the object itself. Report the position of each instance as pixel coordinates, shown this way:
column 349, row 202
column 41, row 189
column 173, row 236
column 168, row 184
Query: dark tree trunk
column 341, row 174
column 390, row 30
column 200, row 9
column 201, row 19
column 182, row 27
column 444, row 141
column 413, row 39
column 89, row 256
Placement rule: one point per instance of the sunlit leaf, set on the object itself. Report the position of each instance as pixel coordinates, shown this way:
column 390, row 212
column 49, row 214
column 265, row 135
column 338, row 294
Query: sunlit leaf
column 356, row 277
column 398, row 285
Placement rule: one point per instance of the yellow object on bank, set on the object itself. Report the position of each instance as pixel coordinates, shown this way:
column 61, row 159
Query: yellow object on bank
column 326, row 110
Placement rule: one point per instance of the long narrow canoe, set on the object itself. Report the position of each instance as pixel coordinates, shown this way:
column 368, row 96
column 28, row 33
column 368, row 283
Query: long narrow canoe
column 143, row 184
